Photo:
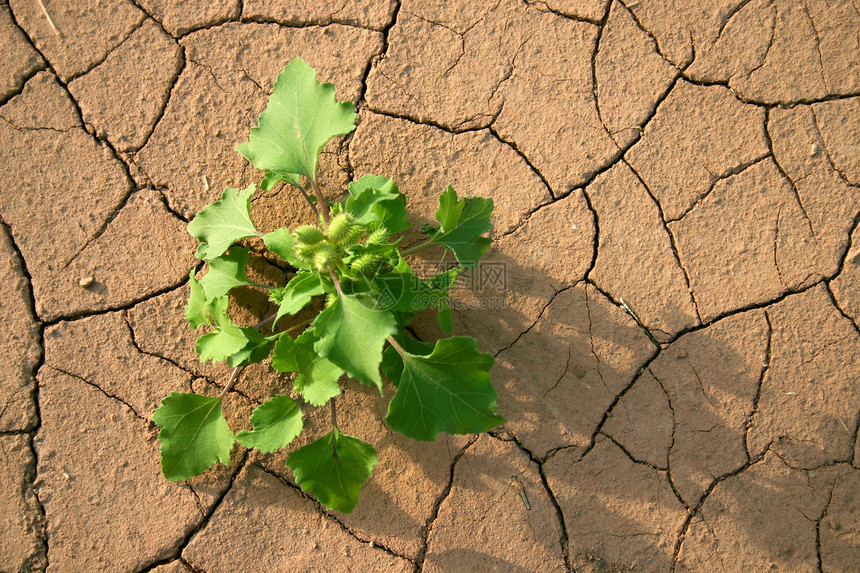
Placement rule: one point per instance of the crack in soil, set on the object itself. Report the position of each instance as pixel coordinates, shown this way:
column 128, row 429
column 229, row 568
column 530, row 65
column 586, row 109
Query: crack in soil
column 694, row 511
column 543, row 6
column 137, row 26
column 41, row 520
column 434, row 512
column 672, row 242
column 827, row 150
column 652, row 37
column 715, row 179
column 564, row 540
column 599, row 428
column 513, row 145
column 533, row 324
column 109, row 309
column 100, row 389
column 332, row 517
column 769, row 105
column 180, row 547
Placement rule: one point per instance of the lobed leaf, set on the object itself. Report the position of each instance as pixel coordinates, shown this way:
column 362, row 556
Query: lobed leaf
column 335, row 480
column 255, row 350
column 228, row 339
column 225, row 272
column 197, row 307
column 193, row 436
column 316, row 377
column 462, row 222
column 223, row 222
column 272, row 178
column 298, row 293
column 448, row 390
column 376, row 199
column 301, row 117
column 351, row 333
column 276, row 423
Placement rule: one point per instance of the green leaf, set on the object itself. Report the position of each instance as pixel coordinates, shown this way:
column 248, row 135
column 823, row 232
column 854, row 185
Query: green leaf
column 228, row 339
column 447, row 391
column 376, row 199
column 335, row 481
column 282, row 242
column 256, row 349
column 449, row 210
column 272, row 178
column 352, row 333
column 226, row 272
column 193, row 436
column 462, row 224
column 197, row 307
column 402, row 290
column 316, row 378
column 223, row 222
column 276, row 423
column 392, row 363
column 302, row 115
column 444, row 317
column 298, row 293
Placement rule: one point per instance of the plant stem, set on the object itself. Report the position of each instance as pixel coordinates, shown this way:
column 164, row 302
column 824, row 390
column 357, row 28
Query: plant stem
column 396, row 346
column 418, row 247
column 334, row 425
column 265, row 321
column 308, row 199
column 336, row 282
column 233, row 376
column 323, row 206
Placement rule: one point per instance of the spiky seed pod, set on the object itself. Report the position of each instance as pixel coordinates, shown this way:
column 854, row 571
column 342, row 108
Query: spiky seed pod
column 353, row 237
column 324, row 256
column 363, row 263
column 330, row 298
column 307, row 252
column 309, row 235
column 378, row 237
column 340, row 227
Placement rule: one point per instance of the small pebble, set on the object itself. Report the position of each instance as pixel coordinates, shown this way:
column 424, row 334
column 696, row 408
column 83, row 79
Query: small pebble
column 86, row 282
column 813, row 150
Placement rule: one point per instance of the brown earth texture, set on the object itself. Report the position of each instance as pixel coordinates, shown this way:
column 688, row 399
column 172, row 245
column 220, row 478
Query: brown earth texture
column 671, row 296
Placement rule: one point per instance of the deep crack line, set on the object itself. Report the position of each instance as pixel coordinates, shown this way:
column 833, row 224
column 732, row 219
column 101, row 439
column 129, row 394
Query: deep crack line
column 100, row 389
column 330, row 516
column 695, row 511
column 564, row 540
column 41, row 521
column 434, row 513
column 53, row 320
column 177, row 553
column 820, row 520
column 672, row 242
column 137, row 26
column 599, row 428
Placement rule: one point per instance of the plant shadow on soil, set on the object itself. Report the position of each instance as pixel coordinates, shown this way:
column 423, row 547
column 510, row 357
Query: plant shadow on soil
column 574, row 389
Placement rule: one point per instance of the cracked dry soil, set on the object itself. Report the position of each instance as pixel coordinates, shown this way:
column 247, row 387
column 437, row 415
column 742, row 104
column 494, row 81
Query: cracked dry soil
column 677, row 189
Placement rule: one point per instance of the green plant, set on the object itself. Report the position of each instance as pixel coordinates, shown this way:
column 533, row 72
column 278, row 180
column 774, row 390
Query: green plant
column 353, row 260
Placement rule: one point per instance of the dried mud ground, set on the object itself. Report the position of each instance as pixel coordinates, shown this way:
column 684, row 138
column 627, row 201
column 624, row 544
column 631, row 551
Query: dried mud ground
column 677, row 190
